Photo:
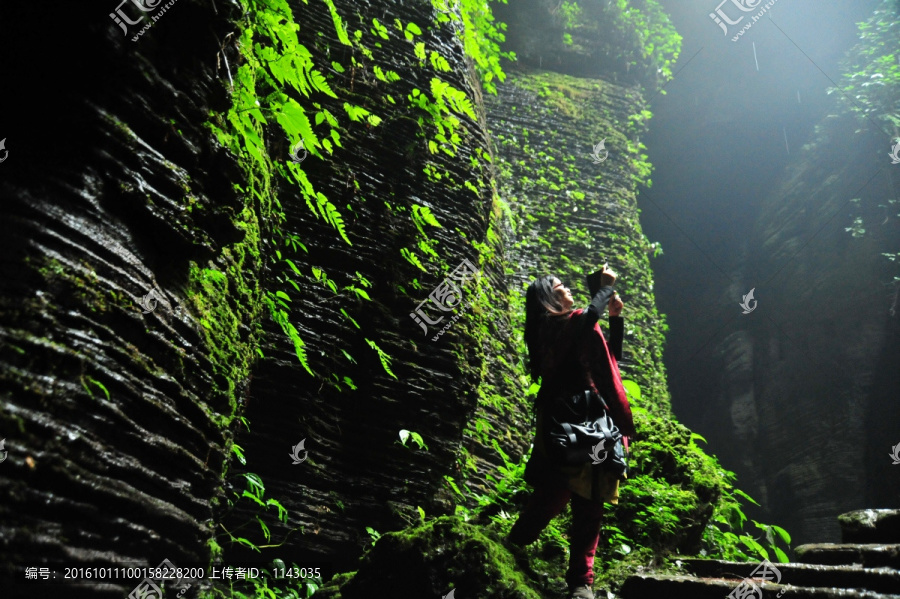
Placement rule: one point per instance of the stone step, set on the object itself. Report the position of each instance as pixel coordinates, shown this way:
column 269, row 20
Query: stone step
column 870, row 526
column 871, row 555
column 662, row 586
column 880, row 580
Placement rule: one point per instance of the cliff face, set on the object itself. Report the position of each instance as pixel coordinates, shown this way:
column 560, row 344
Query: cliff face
column 352, row 410
column 120, row 410
column 115, row 419
column 284, row 288
column 806, row 381
column 576, row 208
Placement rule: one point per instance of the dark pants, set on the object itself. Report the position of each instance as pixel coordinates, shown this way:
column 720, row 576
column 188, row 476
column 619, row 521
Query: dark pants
column 546, row 503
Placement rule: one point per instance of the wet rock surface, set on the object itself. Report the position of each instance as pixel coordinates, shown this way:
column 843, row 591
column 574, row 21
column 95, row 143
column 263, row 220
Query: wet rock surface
column 870, row 526
column 882, row 580
column 869, row 555
column 358, row 474
column 789, row 371
column 825, row 570
column 118, row 419
column 686, row 587
column 432, row 560
column 111, row 410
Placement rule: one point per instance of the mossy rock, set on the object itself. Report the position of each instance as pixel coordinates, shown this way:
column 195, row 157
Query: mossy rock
column 433, row 559
column 870, row 526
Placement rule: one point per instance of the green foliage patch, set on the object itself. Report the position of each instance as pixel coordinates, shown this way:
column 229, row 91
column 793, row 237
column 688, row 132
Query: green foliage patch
column 870, row 92
column 633, row 38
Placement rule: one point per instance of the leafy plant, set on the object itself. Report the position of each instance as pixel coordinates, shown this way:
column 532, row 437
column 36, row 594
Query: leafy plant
column 383, row 357
column 405, row 435
column 870, row 93
column 84, row 383
column 481, row 35
column 255, row 492
column 871, row 81
column 633, row 38
column 373, row 533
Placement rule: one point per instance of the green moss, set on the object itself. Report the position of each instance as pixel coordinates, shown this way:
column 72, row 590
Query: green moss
column 228, row 305
column 678, row 499
column 80, row 282
column 431, row 559
column 670, row 496
column 610, row 574
column 633, row 38
column 215, row 550
column 553, row 195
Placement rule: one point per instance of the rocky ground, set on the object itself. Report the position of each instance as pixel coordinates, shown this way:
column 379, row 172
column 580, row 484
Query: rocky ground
column 865, row 565
column 448, row 554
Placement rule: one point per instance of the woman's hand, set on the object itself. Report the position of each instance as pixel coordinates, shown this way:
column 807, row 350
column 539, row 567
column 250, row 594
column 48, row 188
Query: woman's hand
column 607, row 277
column 615, row 305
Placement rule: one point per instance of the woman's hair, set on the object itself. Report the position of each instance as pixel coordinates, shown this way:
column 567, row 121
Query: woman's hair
column 540, row 304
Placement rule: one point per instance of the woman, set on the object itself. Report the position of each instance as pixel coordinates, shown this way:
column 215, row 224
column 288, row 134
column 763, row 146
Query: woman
column 567, row 350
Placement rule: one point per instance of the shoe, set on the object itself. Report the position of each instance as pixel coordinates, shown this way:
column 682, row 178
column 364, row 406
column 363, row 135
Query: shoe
column 581, row 592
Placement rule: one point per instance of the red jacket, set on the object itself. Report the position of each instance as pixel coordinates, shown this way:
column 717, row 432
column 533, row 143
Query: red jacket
column 578, row 357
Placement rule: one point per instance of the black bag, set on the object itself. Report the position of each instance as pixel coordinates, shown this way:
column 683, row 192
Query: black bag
column 580, row 430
